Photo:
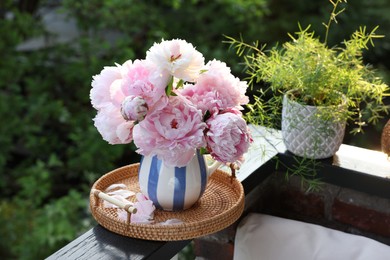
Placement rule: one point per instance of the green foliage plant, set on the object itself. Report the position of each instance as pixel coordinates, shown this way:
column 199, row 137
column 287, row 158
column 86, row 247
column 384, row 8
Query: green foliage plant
column 317, row 74
column 312, row 73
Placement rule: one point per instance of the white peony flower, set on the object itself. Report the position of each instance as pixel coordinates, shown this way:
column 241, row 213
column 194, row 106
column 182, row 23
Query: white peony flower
column 179, row 57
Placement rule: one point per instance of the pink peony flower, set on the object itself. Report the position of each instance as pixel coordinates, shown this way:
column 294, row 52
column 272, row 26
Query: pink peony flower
column 178, row 57
column 134, row 108
column 112, row 126
column 105, row 87
column 173, row 133
column 228, row 137
column 216, row 88
column 107, row 96
column 146, row 80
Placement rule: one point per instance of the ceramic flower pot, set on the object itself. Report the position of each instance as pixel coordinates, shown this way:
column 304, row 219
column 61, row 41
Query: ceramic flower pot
column 308, row 135
column 174, row 188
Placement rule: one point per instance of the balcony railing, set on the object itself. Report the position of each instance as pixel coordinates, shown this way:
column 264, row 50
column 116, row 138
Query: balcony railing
column 355, row 168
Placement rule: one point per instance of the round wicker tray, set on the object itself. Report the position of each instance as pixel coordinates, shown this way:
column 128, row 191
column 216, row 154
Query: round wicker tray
column 219, row 207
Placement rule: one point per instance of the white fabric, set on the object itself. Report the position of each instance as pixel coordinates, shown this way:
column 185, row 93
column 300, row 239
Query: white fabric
column 265, row 237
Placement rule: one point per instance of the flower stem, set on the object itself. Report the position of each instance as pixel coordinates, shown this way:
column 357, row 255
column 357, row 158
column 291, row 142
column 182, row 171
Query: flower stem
column 332, row 17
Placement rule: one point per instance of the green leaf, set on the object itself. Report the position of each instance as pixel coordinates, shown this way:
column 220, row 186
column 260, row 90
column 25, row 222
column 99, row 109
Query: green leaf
column 169, row 88
column 203, row 150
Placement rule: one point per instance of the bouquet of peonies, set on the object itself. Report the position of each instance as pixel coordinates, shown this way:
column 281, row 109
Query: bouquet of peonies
column 171, row 103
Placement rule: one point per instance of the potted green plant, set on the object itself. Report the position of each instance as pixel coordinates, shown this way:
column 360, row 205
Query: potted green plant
column 315, row 88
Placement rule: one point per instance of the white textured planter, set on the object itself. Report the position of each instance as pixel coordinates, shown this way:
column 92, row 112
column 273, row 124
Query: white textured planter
column 307, row 135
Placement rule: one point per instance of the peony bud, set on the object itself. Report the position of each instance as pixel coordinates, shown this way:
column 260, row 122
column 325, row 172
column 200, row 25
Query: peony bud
column 134, row 108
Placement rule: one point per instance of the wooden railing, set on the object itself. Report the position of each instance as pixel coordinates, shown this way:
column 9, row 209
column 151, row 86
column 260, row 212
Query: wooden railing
column 345, row 169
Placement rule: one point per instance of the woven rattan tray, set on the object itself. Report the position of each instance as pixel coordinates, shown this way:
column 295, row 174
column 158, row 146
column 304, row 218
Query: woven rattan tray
column 220, row 206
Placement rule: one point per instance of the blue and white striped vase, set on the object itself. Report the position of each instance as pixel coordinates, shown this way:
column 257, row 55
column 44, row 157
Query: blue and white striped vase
column 174, row 188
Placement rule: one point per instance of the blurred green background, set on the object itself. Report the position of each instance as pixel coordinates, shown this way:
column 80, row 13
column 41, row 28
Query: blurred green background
column 50, row 152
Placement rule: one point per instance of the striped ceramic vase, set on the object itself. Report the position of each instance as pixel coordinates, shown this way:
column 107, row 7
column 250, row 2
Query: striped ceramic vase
column 173, row 188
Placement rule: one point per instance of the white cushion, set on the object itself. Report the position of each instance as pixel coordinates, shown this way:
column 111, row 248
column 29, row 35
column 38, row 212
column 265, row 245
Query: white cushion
column 264, row 237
